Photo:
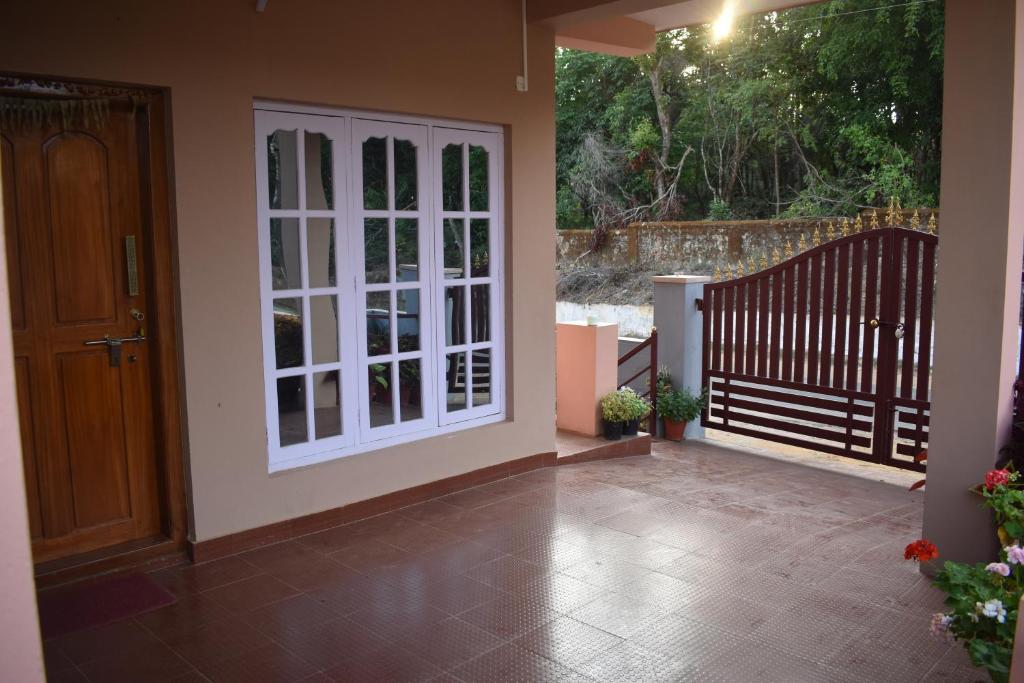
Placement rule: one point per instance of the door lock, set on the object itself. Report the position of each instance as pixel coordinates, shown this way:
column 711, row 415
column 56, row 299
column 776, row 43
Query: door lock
column 114, row 344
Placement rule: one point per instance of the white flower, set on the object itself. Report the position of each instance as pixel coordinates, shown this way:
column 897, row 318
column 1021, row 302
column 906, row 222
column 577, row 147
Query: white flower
column 993, row 609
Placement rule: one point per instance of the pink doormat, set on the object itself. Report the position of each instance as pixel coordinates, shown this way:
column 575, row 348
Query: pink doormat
column 94, row 603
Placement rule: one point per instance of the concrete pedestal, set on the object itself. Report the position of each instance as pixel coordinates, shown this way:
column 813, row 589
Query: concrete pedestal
column 587, row 358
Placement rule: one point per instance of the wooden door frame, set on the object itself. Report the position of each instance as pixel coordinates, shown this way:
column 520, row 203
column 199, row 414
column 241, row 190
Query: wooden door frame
column 157, row 209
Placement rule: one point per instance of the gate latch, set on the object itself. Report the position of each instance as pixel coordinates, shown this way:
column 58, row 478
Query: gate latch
column 898, row 327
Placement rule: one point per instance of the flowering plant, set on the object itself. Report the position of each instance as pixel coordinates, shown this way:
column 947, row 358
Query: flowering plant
column 982, row 599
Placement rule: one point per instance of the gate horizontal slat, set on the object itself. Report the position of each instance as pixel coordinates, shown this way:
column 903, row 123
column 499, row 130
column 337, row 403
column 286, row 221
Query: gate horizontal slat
column 795, row 413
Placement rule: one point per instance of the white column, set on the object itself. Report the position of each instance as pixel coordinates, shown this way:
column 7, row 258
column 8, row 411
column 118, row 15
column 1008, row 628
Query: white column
column 680, row 326
column 980, row 245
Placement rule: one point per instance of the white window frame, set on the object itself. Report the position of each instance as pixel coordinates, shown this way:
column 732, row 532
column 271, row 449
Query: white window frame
column 345, row 128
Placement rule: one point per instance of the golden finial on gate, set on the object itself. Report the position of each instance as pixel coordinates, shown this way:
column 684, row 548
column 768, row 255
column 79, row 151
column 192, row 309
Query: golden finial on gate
column 844, row 227
column 890, row 216
column 830, row 232
column 776, row 256
column 789, row 249
column 802, row 244
column 816, row 238
column 764, row 261
column 739, row 269
column 858, row 224
column 874, row 219
column 751, row 265
column 718, row 274
column 933, row 225
column 915, row 221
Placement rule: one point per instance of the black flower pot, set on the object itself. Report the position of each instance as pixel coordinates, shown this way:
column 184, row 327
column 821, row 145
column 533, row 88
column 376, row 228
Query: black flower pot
column 612, row 430
column 631, row 427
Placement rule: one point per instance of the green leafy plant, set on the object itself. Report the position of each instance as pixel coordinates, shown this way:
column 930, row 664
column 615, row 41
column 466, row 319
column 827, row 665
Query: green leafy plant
column 378, row 374
column 637, row 406
column 615, row 407
column 680, row 405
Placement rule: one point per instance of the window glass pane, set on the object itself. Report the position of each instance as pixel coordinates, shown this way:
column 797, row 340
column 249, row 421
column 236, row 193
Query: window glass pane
column 407, row 249
column 320, row 247
column 454, row 255
column 480, row 315
column 480, row 247
column 482, row 377
column 327, row 403
column 405, row 175
column 285, row 260
column 455, row 378
column 319, row 172
column 378, row 323
column 323, row 328
column 478, row 194
column 454, row 315
column 381, row 410
column 375, row 241
column 291, row 410
column 375, row 174
column 288, row 332
column 282, row 170
column 408, row 301
column 410, row 398
column 451, row 178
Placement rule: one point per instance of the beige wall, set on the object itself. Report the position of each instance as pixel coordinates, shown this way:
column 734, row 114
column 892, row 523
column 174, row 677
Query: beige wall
column 21, row 655
column 457, row 59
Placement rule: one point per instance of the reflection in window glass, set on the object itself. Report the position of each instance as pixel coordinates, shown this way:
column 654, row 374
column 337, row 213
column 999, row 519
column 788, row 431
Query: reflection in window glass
column 451, row 178
column 285, row 260
column 375, row 174
column 410, row 397
column 480, row 315
column 482, row 377
column 407, row 249
column 455, row 378
column 288, row 332
column 454, row 253
column 291, row 410
column 375, row 242
column 378, row 323
column 327, row 404
column 454, row 315
column 381, row 384
column 405, row 175
column 282, row 170
column 320, row 252
column 323, row 328
column 408, row 301
column 319, row 172
column 478, row 198
column 479, row 247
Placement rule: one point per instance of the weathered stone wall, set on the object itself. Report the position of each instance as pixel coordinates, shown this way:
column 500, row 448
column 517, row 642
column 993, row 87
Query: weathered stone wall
column 698, row 247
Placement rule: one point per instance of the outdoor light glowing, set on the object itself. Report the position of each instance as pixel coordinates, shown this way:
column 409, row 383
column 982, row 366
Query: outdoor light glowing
column 722, row 26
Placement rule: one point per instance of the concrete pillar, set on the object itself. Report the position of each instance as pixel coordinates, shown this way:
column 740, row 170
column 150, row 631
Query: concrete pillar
column 587, row 358
column 21, row 654
column 679, row 326
column 980, row 245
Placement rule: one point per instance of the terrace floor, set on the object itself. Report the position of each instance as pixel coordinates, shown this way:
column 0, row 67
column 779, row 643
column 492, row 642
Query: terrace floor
column 698, row 563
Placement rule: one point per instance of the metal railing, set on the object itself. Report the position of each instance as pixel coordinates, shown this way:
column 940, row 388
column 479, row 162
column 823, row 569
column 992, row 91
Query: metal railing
column 652, row 373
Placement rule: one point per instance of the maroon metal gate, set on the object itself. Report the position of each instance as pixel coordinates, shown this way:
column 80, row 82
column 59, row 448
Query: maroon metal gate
column 829, row 350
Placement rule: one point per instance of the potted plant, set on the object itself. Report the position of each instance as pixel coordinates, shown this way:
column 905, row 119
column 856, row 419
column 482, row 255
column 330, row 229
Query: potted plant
column 378, row 378
column 639, row 408
column 615, row 410
column 678, row 407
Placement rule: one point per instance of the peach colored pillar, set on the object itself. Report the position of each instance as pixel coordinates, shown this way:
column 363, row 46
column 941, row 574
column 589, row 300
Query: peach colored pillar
column 979, row 270
column 21, row 657
column 587, row 368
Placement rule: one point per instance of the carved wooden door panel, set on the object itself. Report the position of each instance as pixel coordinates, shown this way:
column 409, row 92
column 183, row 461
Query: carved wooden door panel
column 74, row 232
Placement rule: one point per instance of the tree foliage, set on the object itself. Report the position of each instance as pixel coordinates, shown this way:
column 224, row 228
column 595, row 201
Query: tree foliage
column 812, row 111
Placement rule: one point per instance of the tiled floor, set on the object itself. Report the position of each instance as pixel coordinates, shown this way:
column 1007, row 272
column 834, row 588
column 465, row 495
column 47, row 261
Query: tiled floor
column 695, row 564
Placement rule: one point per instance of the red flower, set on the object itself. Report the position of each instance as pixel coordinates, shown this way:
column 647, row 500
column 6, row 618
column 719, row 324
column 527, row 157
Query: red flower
column 921, row 550
column 996, row 478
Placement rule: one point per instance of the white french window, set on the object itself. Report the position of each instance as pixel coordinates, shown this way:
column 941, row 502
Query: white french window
column 381, row 281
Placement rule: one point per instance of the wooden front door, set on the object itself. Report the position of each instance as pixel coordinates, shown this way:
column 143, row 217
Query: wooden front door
column 74, row 210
